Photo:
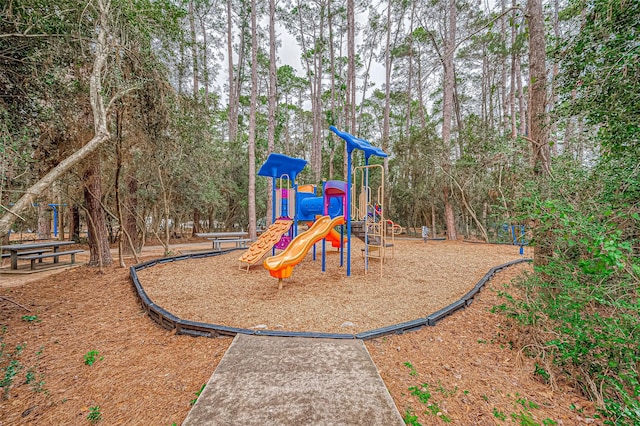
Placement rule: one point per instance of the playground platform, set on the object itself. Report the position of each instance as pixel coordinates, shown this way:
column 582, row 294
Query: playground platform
column 295, row 381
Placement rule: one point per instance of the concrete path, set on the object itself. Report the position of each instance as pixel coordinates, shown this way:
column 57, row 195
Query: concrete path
column 295, row 381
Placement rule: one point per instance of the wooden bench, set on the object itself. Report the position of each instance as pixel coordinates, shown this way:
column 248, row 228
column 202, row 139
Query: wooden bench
column 23, row 254
column 26, row 253
column 55, row 255
column 239, row 242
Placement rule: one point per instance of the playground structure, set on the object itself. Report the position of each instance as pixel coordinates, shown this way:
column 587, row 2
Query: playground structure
column 281, row 265
column 367, row 212
column 352, row 203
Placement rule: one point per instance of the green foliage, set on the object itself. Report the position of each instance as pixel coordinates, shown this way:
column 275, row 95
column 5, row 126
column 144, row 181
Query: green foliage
column 600, row 76
column 499, row 414
column 91, row 357
column 423, row 396
column 582, row 300
column 30, row 318
column 193, row 401
column 542, row 373
column 412, row 369
column 410, row 418
column 11, row 365
column 94, row 415
column 421, row 392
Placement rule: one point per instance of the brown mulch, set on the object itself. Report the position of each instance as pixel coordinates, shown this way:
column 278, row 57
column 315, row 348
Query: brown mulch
column 419, row 280
column 146, row 375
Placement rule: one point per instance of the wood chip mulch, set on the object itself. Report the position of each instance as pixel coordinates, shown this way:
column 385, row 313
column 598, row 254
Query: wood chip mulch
column 146, row 375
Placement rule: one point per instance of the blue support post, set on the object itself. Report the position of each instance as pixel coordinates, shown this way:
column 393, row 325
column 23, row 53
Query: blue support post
column 273, row 206
column 296, row 205
column 55, row 219
column 348, row 213
column 366, row 201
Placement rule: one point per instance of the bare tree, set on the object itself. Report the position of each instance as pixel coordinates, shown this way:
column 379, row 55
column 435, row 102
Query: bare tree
column 539, row 137
column 351, row 67
column 101, row 50
column 447, row 109
column 273, row 81
column 252, row 121
column 387, row 89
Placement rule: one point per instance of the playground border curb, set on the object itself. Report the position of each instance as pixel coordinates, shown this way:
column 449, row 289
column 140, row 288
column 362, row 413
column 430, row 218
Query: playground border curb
column 169, row 321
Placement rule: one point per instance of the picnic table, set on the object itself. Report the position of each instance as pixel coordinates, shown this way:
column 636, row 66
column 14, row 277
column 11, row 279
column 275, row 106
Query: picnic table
column 38, row 251
column 240, row 239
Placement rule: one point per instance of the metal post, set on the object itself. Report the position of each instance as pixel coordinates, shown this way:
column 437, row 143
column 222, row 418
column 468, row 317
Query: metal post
column 348, row 213
column 55, row 219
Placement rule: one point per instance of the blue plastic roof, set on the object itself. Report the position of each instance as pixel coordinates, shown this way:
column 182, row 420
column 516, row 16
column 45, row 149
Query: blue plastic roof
column 357, row 143
column 278, row 165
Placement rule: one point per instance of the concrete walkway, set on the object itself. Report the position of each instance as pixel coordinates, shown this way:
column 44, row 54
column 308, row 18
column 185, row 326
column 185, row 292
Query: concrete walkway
column 295, row 381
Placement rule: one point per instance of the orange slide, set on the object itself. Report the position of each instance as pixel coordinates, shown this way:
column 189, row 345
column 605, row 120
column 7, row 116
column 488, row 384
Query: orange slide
column 281, row 265
column 334, row 238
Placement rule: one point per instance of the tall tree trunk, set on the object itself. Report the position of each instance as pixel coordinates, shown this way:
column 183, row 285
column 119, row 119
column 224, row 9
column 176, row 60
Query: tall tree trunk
column 540, row 158
column 233, row 102
column 539, row 138
column 410, row 75
column 503, row 105
column 125, row 243
column 130, row 213
column 351, row 74
column 273, row 81
column 553, row 99
column 74, row 223
column 100, row 254
column 423, row 114
column 205, row 61
column 194, row 50
column 252, row 122
column 318, row 113
column 512, row 92
column 447, row 107
column 197, row 217
column 449, row 215
column 332, row 83
column 521, row 104
column 44, row 220
column 387, row 89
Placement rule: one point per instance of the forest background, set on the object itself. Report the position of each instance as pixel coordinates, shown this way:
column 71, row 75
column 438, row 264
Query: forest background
column 141, row 116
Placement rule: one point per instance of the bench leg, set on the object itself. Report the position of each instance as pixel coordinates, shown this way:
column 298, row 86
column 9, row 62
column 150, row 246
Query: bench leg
column 73, row 258
column 33, row 264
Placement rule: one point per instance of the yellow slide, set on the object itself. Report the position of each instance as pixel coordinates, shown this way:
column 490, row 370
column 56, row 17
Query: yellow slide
column 281, row 265
column 265, row 242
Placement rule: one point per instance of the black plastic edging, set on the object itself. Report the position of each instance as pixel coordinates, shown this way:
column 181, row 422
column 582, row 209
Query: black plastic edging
column 393, row 329
column 311, row 334
column 188, row 327
column 197, row 329
column 445, row 312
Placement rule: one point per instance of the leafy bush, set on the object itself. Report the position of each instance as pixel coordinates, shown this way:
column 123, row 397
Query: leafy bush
column 582, row 301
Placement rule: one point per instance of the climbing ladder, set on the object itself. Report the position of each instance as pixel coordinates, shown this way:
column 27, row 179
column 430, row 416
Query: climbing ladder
column 368, row 222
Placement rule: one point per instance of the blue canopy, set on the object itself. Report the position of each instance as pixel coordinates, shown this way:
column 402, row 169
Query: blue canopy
column 354, row 142
column 278, row 165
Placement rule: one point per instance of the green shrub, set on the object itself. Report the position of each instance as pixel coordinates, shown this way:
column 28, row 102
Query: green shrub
column 581, row 302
